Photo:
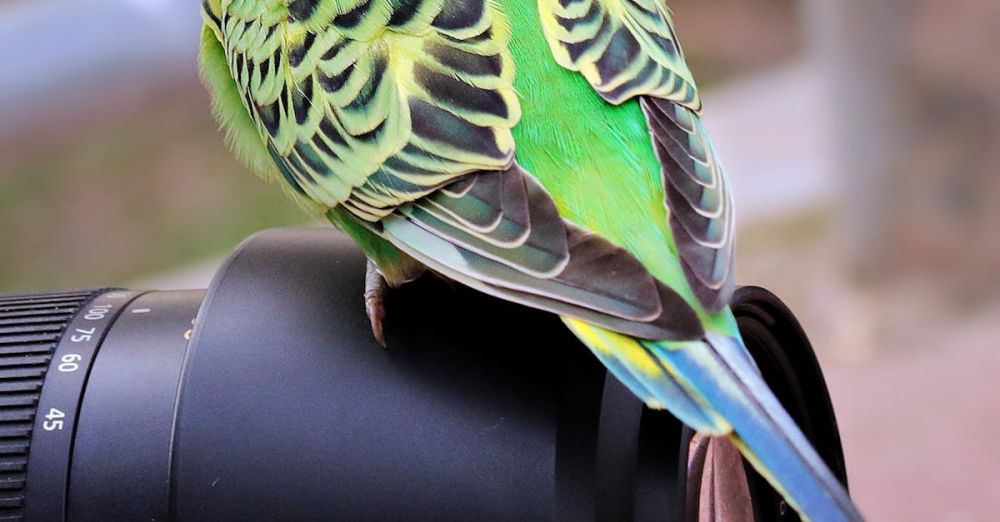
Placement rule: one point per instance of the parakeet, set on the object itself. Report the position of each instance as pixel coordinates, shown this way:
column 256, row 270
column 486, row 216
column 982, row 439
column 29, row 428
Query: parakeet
column 547, row 152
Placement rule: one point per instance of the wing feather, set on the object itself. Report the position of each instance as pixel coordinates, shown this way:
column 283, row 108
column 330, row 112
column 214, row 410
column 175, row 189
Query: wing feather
column 699, row 199
column 626, row 49
column 398, row 113
column 554, row 265
column 372, row 104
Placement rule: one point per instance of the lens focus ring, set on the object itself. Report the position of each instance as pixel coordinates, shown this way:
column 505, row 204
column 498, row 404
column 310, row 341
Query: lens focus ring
column 30, row 329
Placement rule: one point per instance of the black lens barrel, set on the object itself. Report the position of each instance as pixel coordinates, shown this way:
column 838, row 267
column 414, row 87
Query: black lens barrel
column 31, row 327
column 479, row 409
column 266, row 398
column 121, row 454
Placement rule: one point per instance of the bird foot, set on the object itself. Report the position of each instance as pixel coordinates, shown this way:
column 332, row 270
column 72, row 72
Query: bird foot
column 375, row 290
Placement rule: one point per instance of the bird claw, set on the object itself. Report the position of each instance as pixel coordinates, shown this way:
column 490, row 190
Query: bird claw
column 375, row 290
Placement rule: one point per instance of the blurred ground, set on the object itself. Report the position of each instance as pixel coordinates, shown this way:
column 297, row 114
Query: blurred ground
column 920, row 424
column 864, row 166
column 913, row 379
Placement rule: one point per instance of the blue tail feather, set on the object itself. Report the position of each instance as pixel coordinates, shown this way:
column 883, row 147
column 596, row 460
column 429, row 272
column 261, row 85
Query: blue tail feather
column 658, row 389
column 722, row 373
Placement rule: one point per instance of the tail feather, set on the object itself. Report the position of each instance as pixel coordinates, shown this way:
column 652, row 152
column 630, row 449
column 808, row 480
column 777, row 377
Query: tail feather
column 721, row 372
column 641, row 372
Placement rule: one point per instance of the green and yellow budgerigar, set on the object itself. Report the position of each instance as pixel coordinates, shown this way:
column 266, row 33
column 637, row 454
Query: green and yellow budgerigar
column 547, row 152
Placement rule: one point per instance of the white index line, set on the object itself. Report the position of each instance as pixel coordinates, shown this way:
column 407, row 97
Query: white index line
column 141, row 310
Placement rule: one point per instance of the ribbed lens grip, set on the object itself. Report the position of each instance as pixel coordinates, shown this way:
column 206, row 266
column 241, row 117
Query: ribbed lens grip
column 30, row 329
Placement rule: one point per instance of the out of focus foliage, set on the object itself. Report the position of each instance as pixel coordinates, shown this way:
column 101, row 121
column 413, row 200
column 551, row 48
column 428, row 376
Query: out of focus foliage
column 139, row 184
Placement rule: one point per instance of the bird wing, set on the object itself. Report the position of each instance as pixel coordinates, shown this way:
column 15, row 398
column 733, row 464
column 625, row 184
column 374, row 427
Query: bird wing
column 397, row 114
column 627, row 49
column 501, row 234
column 369, row 104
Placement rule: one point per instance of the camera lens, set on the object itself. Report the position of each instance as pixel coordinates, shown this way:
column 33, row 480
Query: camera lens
column 88, row 382
column 30, row 329
column 265, row 397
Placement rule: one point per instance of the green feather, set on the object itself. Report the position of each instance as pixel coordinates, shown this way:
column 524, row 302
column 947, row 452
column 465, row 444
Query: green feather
column 227, row 105
column 395, row 265
column 241, row 131
column 600, row 168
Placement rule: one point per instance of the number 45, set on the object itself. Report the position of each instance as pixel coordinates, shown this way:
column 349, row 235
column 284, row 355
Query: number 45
column 52, row 422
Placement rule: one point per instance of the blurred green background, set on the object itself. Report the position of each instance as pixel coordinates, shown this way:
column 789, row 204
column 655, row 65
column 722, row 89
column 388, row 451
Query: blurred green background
column 111, row 167
column 861, row 136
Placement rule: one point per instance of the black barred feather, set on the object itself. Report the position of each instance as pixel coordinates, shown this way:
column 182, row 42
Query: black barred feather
column 624, row 48
column 475, row 206
column 528, row 232
column 627, row 49
column 699, row 199
column 501, row 212
column 371, row 104
column 400, row 114
column 553, row 265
